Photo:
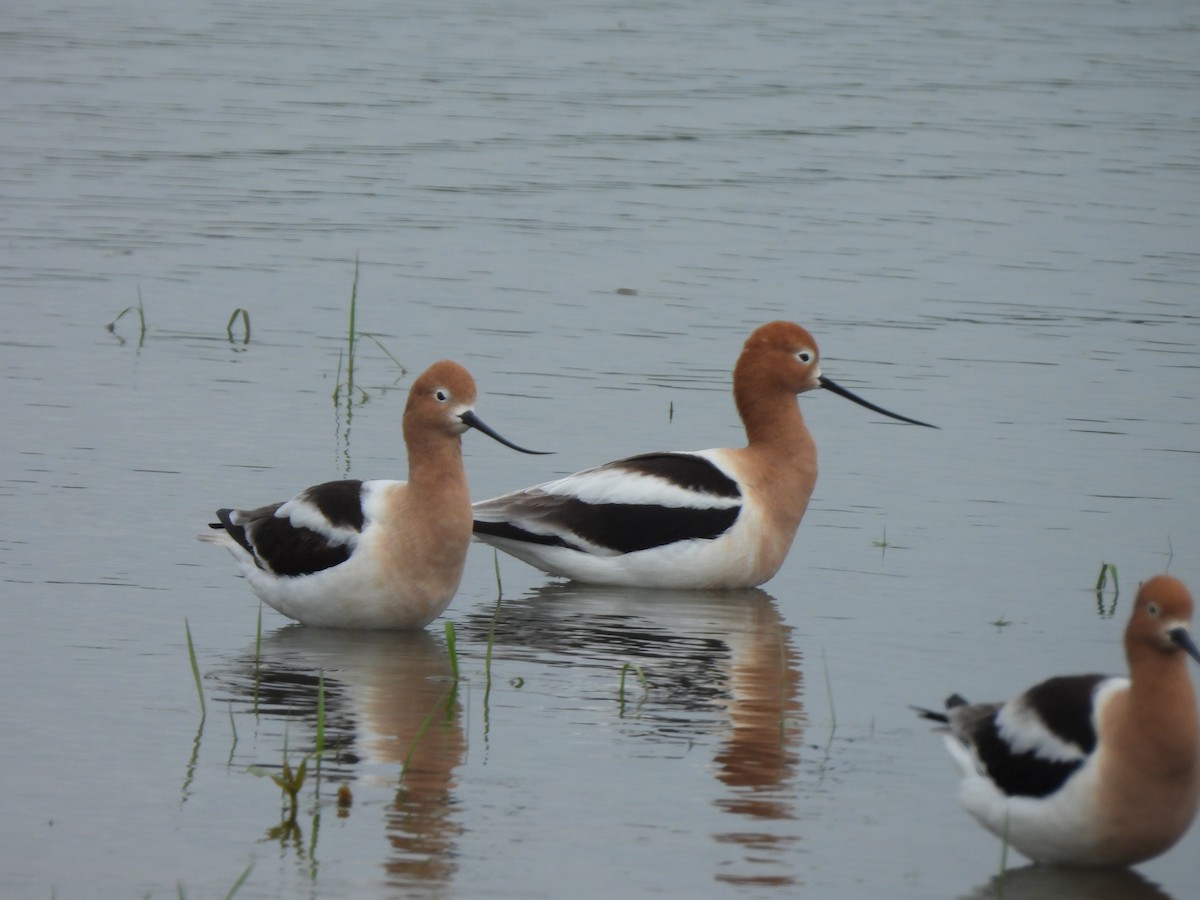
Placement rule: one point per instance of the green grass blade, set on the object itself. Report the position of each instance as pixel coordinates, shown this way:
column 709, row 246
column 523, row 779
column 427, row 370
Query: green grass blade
column 233, row 728
column 233, row 317
column 350, row 335
column 237, row 885
column 641, row 676
column 448, row 698
column 320, row 713
column 452, row 649
column 320, row 749
column 487, row 665
column 829, row 692
column 1107, row 569
column 111, row 327
column 257, row 657
column 337, row 380
column 195, row 667
column 621, row 691
column 386, row 352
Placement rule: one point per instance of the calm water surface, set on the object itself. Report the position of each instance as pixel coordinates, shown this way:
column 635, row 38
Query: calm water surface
column 987, row 215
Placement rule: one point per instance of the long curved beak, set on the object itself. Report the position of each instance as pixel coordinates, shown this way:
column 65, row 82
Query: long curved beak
column 1181, row 638
column 473, row 421
column 831, row 385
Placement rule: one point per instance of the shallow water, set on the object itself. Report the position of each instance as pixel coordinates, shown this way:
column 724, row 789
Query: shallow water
column 988, row 219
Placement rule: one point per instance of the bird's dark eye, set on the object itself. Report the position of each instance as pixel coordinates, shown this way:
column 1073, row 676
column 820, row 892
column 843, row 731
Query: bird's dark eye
column 1152, row 609
column 805, row 356
column 441, row 395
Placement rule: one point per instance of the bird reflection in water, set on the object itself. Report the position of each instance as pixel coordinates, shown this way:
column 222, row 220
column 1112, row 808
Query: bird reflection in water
column 1041, row 882
column 706, row 652
column 759, row 756
column 389, row 708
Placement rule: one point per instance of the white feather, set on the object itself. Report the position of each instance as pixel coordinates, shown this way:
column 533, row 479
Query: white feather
column 616, row 484
column 303, row 514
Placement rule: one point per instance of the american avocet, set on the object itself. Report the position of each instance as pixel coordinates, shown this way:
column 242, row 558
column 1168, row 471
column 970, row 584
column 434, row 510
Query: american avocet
column 1091, row 769
column 720, row 518
column 372, row 554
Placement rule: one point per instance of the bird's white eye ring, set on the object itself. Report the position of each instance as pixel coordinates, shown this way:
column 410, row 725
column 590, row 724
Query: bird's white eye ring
column 441, row 396
column 805, row 356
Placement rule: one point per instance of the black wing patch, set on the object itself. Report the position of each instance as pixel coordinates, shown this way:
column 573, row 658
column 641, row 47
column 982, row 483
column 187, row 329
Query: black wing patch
column 620, row 527
column 288, row 550
column 1064, row 706
column 338, row 501
column 695, row 473
column 630, row 527
column 238, row 532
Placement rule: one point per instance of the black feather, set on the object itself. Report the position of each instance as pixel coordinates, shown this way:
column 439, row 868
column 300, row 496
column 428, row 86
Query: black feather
column 622, row 527
column 685, row 470
column 338, row 501
column 1064, row 706
column 289, row 550
column 630, row 527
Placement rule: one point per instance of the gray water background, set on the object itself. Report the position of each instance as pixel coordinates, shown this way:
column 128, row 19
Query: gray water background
column 986, row 214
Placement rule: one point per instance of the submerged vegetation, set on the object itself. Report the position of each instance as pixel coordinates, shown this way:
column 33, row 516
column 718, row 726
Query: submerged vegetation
column 344, row 389
column 346, row 360
column 237, row 885
column 290, row 781
column 1106, row 570
column 187, row 630
column 641, row 676
column 111, row 327
column 245, row 318
column 239, row 314
column 452, row 650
